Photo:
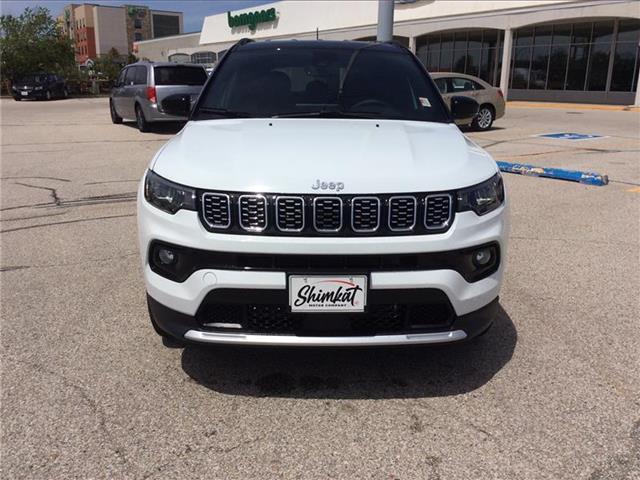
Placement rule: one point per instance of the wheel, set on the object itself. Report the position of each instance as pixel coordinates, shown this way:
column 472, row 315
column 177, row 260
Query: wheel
column 47, row 95
column 115, row 118
column 142, row 123
column 484, row 119
column 17, row 99
column 167, row 340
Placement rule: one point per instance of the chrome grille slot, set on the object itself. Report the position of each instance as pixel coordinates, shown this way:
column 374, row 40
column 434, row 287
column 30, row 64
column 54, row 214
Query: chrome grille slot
column 402, row 213
column 216, row 210
column 290, row 214
column 437, row 211
column 365, row 214
column 327, row 214
column 252, row 212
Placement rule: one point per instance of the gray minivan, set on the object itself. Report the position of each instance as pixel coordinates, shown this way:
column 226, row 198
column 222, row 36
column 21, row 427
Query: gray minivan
column 140, row 88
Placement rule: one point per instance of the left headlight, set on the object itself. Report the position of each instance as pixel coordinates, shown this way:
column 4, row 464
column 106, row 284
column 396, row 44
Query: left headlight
column 168, row 196
column 482, row 198
column 38, row 88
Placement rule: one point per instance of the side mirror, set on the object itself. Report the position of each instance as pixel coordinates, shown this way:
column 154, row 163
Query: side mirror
column 178, row 105
column 463, row 107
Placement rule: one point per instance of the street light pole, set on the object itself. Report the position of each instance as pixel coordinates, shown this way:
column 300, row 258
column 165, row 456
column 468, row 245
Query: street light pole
column 385, row 20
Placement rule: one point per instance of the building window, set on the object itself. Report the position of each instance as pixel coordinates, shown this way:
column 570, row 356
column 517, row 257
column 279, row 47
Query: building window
column 137, row 23
column 203, row 57
column 137, row 36
column 577, row 56
column 624, row 77
column 179, row 58
column 472, row 51
column 165, row 25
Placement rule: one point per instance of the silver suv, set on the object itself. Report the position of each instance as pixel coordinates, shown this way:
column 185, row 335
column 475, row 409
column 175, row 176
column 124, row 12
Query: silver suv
column 140, row 88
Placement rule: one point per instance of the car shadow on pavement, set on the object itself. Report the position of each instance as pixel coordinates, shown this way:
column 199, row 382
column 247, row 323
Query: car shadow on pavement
column 394, row 372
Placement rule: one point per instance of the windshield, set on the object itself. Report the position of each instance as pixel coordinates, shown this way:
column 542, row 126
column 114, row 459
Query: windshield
column 299, row 81
column 33, row 78
column 180, row 76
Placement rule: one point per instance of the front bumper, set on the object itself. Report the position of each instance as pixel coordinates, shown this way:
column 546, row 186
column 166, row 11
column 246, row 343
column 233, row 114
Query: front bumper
column 175, row 305
column 187, row 328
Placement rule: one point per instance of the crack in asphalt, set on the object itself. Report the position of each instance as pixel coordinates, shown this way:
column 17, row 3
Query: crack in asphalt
column 38, row 177
column 112, row 181
column 208, row 449
column 32, row 217
column 83, row 392
column 622, row 466
column 66, row 222
column 52, row 191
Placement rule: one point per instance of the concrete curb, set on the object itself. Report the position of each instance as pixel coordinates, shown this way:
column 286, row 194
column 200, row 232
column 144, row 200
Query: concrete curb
column 572, row 106
column 588, row 178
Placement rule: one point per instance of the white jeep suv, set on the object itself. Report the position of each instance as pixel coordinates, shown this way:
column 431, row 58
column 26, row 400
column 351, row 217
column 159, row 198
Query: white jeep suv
column 321, row 195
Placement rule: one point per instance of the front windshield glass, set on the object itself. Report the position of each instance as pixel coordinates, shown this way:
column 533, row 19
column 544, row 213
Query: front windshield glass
column 32, row 79
column 302, row 81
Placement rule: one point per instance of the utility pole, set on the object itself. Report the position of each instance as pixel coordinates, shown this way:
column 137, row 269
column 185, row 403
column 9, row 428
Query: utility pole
column 385, row 20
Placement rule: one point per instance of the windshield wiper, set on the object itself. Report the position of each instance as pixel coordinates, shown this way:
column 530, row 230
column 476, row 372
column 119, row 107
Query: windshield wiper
column 330, row 114
column 223, row 112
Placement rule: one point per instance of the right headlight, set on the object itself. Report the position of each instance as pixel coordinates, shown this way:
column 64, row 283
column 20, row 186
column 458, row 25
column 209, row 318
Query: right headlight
column 482, row 198
column 168, row 196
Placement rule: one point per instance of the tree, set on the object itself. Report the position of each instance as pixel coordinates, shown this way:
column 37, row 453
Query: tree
column 33, row 42
column 108, row 66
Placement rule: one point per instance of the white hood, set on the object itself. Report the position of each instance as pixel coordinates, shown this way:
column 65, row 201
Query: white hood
column 289, row 155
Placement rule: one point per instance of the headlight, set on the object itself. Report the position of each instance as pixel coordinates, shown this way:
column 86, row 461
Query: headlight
column 482, row 198
column 13, row 88
column 38, row 88
column 168, row 196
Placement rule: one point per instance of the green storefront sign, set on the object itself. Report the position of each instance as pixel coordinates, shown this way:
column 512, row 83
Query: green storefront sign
column 251, row 19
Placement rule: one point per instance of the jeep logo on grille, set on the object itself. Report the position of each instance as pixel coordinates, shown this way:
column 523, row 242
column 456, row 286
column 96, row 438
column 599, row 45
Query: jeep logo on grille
column 321, row 185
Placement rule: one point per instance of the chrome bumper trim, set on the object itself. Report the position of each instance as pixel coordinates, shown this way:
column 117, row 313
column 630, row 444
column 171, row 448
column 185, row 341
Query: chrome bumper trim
column 355, row 341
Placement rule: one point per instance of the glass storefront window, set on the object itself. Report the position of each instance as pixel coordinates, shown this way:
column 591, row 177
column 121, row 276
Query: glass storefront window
column 471, row 51
column 624, row 67
column 629, row 30
column 557, row 67
column 578, row 56
column 561, row 34
column 602, row 31
column 543, row 35
column 521, row 63
column 598, row 67
column 524, row 37
column 539, row 64
column 581, row 33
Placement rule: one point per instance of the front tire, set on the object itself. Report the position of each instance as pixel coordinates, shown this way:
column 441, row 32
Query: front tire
column 115, row 118
column 484, row 119
column 142, row 123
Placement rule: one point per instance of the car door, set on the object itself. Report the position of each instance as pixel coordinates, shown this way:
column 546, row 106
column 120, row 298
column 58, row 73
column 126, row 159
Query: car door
column 117, row 94
column 460, row 86
column 443, row 85
column 128, row 94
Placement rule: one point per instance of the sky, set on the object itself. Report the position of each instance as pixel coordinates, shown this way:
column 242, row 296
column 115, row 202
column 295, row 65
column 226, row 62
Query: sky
column 194, row 11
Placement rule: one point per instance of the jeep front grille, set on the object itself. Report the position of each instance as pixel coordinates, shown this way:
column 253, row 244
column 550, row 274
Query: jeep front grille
column 253, row 212
column 324, row 215
column 437, row 211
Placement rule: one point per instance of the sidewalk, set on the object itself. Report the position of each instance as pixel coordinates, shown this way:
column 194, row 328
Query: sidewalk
column 572, row 106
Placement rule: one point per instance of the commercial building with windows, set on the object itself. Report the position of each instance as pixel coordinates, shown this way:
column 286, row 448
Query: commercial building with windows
column 96, row 29
column 553, row 50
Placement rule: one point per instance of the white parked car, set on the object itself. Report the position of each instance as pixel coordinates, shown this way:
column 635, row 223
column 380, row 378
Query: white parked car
column 321, row 195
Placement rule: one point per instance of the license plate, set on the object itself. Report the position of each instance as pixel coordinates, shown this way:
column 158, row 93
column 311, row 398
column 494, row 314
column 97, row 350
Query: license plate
column 327, row 294
column 24, row 93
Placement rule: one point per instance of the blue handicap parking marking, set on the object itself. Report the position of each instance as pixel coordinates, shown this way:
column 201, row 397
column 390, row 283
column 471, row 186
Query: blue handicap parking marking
column 570, row 136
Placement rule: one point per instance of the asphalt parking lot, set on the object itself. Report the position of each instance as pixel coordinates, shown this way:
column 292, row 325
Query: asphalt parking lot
column 89, row 391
